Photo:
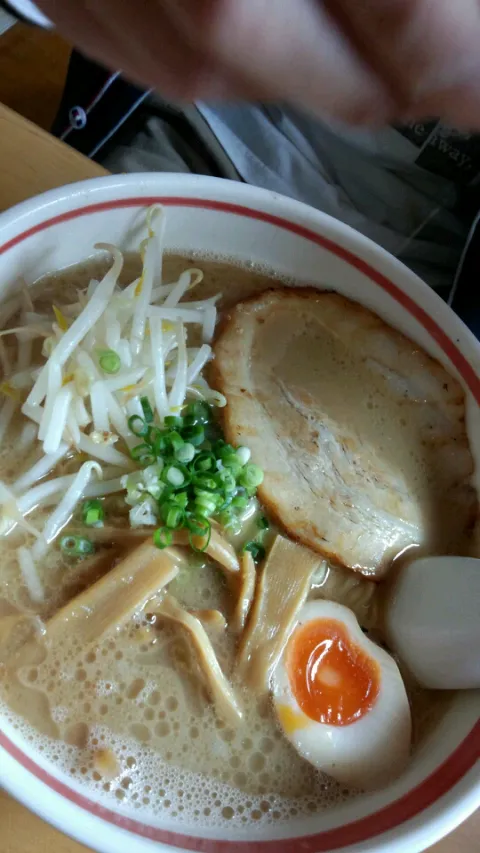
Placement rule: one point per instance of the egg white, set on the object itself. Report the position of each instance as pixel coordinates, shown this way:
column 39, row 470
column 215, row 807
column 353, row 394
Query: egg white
column 369, row 752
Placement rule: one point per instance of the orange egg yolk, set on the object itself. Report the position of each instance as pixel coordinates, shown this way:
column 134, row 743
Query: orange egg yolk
column 333, row 680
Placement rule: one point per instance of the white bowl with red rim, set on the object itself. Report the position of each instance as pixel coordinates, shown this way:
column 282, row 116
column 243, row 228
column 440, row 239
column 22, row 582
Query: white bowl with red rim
column 441, row 786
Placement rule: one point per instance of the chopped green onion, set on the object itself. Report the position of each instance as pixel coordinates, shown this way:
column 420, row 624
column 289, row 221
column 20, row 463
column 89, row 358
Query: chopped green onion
column 224, row 451
column 197, row 413
column 230, row 520
column 243, row 455
column 157, row 439
column 185, row 453
column 175, row 440
column 204, row 481
column 173, row 515
column 138, row 426
column 230, row 460
column 194, row 435
column 147, row 409
column 257, row 551
column 173, row 475
column 173, row 422
column 150, row 479
column 204, row 504
column 162, row 538
column 92, row 512
column 109, row 361
column 179, row 499
column 189, row 421
column 167, row 493
column 92, row 518
column 226, row 480
column 240, row 501
column 205, row 461
column 226, row 502
column 251, row 476
column 263, row 522
column 226, row 517
column 76, row 546
column 198, row 527
column 193, row 474
column 216, row 497
column 143, row 454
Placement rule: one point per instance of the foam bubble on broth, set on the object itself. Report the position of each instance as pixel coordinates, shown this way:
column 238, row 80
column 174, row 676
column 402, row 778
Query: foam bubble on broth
column 134, row 704
column 160, row 728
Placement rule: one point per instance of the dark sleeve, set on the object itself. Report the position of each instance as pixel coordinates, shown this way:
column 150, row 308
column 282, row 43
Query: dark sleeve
column 94, row 106
column 465, row 298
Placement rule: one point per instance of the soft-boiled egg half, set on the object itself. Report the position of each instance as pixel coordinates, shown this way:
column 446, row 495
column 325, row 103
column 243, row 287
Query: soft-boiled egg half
column 340, row 699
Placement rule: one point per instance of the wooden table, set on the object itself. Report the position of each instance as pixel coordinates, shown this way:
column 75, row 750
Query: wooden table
column 31, row 161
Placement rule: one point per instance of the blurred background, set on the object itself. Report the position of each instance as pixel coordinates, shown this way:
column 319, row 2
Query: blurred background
column 33, row 67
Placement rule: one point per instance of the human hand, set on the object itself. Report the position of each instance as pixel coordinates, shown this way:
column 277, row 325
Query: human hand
column 361, row 61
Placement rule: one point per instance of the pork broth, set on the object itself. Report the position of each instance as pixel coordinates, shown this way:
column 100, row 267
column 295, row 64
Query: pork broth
column 129, row 715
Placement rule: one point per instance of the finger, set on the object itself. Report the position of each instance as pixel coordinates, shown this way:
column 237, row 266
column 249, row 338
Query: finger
column 426, row 51
column 287, row 50
column 141, row 41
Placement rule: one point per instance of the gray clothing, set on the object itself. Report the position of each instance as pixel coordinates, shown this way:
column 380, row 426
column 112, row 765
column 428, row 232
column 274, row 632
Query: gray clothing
column 403, row 187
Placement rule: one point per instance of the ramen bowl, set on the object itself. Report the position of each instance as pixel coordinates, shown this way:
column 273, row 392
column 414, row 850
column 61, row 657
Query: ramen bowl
column 441, row 786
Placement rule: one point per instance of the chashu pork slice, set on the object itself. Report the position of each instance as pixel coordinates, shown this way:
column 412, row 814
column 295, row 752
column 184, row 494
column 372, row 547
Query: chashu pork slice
column 360, row 433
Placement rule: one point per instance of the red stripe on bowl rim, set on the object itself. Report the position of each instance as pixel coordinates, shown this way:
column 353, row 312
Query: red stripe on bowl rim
column 464, row 757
